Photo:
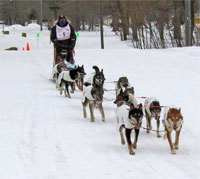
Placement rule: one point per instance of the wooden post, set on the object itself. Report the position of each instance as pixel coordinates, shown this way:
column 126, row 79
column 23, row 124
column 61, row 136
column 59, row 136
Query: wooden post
column 41, row 15
column 188, row 27
column 101, row 24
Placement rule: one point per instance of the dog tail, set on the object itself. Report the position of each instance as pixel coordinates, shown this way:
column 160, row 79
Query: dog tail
column 96, row 68
column 86, row 84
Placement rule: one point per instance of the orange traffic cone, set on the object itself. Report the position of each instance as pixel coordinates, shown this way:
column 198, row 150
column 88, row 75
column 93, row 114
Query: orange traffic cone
column 27, row 47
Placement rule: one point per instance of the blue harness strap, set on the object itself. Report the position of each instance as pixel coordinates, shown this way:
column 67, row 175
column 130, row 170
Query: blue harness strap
column 69, row 65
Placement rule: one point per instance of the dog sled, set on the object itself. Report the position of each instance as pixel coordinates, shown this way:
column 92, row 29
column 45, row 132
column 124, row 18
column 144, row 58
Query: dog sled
column 63, row 53
column 64, row 61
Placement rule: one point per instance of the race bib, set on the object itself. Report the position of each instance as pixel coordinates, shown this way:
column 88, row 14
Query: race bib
column 63, row 33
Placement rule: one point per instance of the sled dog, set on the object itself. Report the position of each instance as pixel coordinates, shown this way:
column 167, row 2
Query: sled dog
column 125, row 97
column 122, row 83
column 173, row 120
column 67, row 78
column 93, row 95
column 96, row 78
column 152, row 109
column 129, row 119
column 57, row 69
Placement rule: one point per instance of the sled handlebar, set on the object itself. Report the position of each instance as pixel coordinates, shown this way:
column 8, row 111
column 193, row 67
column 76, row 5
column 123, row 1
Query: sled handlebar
column 62, row 46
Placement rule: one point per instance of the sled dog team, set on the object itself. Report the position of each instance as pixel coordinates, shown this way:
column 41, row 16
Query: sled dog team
column 129, row 113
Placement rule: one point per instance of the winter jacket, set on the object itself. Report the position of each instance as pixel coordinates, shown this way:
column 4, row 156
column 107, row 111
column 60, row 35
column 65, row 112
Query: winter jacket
column 67, row 43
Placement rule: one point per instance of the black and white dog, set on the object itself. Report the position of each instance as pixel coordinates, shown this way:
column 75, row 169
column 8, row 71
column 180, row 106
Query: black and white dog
column 129, row 119
column 96, row 78
column 67, row 78
column 93, row 95
column 152, row 109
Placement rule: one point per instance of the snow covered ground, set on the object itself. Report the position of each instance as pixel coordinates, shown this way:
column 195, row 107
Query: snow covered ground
column 44, row 136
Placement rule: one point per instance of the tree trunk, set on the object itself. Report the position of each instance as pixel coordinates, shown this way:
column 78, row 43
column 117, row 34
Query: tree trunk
column 134, row 22
column 177, row 25
column 124, row 22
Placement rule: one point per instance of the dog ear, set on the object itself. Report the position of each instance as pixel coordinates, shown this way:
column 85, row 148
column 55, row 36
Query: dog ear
column 179, row 110
column 132, row 106
column 102, row 71
column 132, row 88
column 140, row 106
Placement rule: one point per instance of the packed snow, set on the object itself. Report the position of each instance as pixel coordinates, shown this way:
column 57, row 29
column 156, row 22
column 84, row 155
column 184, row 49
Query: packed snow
column 44, row 136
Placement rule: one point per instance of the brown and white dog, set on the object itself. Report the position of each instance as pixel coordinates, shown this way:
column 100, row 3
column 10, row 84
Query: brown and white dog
column 57, row 69
column 122, row 83
column 126, row 97
column 152, row 109
column 173, row 120
column 94, row 96
column 129, row 119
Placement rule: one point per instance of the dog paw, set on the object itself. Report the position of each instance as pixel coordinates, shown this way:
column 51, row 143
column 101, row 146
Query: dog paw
column 173, row 152
column 103, row 120
column 176, row 146
column 132, row 153
column 164, row 137
column 158, row 135
column 92, row 120
column 134, row 146
column 122, row 142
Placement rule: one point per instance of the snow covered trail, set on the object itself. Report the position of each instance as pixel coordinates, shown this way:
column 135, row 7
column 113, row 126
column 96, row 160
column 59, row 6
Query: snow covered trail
column 43, row 135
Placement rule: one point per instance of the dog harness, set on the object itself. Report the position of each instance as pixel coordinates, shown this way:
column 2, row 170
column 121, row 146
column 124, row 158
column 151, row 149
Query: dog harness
column 69, row 65
column 167, row 123
column 89, row 78
column 147, row 104
column 87, row 93
column 63, row 33
column 122, row 114
column 65, row 76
